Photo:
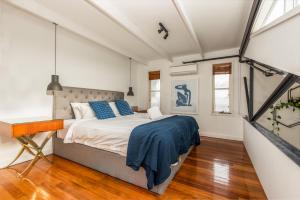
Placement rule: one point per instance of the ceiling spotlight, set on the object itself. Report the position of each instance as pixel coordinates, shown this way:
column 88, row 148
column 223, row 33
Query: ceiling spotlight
column 166, row 35
column 163, row 28
column 160, row 30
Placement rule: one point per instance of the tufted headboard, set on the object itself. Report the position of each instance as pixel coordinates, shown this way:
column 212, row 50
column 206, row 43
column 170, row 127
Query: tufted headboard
column 63, row 99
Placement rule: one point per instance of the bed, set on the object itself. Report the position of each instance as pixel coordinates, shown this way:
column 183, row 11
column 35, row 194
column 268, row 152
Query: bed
column 109, row 158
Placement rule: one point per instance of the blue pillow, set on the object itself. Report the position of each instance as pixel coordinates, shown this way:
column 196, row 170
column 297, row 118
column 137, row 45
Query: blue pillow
column 102, row 109
column 123, row 107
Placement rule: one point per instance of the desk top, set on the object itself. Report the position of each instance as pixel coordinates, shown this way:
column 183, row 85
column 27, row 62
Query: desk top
column 25, row 120
column 29, row 126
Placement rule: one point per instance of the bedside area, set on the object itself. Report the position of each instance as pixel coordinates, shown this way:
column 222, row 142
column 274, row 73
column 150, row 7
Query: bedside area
column 138, row 110
column 24, row 130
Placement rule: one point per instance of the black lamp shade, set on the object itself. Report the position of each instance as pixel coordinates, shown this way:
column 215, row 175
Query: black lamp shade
column 54, row 85
column 130, row 92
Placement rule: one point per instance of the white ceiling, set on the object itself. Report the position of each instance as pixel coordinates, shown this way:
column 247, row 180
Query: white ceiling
column 146, row 14
column 130, row 26
column 219, row 24
column 84, row 14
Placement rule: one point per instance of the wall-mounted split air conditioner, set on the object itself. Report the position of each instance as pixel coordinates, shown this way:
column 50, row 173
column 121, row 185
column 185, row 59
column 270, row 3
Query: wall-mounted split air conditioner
column 183, row 70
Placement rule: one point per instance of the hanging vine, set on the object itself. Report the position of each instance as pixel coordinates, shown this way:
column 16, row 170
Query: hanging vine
column 293, row 103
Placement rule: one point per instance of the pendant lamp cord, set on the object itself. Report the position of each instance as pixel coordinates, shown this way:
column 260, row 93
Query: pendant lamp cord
column 130, row 70
column 55, row 48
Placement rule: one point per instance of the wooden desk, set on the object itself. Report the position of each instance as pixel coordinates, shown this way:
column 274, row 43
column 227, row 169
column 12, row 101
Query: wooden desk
column 24, row 131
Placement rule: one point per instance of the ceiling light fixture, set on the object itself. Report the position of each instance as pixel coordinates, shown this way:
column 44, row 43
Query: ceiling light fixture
column 130, row 92
column 54, row 85
column 161, row 29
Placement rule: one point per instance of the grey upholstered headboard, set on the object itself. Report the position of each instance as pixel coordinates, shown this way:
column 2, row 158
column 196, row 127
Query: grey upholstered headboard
column 62, row 99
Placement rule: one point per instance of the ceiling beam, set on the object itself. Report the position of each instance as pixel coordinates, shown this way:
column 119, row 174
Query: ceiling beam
column 110, row 11
column 184, row 17
column 41, row 11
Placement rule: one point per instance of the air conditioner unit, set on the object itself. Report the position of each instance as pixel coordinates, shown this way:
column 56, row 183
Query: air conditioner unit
column 183, row 70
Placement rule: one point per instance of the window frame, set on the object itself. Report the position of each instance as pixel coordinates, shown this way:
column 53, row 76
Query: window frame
column 260, row 26
column 153, row 91
column 230, row 91
column 149, row 82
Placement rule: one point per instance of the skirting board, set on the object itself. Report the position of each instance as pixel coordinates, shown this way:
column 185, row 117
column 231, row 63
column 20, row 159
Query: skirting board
column 25, row 157
column 221, row 136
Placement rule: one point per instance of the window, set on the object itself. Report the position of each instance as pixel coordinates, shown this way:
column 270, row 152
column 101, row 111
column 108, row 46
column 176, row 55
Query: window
column 270, row 10
column 154, row 78
column 222, row 88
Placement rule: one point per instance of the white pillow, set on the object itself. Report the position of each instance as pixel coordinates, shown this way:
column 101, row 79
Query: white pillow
column 154, row 113
column 76, row 110
column 114, row 109
column 83, row 111
column 86, row 111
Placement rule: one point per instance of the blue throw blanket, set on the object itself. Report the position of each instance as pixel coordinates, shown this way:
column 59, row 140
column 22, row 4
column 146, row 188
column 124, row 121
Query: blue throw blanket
column 157, row 145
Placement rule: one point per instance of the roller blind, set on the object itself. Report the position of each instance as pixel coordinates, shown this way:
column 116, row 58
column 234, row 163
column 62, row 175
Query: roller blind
column 154, row 75
column 223, row 68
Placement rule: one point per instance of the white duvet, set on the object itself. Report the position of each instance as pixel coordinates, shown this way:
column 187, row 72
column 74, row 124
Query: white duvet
column 109, row 134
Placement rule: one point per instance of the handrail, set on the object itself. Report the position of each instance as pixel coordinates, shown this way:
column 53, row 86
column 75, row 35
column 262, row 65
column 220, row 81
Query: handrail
column 288, row 149
column 288, row 126
column 285, row 84
column 247, row 94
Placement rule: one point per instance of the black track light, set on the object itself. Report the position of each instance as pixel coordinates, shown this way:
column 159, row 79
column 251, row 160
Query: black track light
column 166, row 35
column 161, row 29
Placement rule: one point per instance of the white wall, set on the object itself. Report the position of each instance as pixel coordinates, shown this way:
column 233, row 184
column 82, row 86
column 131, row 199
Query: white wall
column 278, row 46
column 229, row 127
column 27, row 62
column 279, row 175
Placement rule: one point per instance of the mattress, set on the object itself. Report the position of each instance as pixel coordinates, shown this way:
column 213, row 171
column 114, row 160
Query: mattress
column 67, row 123
column 110, row 134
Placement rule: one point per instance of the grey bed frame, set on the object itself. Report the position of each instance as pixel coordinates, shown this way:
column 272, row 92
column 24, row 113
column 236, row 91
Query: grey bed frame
column 107, row 162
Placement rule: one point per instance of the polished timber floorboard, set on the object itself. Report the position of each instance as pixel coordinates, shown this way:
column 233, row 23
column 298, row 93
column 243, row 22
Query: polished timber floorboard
column 217, row 169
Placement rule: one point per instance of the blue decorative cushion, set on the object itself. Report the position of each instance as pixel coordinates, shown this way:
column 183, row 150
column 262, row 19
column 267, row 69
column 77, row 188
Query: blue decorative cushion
column 123, row 107
column 102, row 109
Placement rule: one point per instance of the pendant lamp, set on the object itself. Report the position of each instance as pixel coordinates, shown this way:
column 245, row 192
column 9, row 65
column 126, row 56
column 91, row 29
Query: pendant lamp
column 54, row 85
column 130, row 92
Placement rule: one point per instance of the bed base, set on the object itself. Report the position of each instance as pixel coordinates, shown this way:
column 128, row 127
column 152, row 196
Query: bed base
column 110, row 163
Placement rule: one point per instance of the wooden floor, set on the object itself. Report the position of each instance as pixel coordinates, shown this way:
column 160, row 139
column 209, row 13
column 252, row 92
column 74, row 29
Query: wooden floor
column 217, row 169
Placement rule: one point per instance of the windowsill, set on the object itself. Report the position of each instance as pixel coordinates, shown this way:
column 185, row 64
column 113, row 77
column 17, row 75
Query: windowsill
column 292, row 13
column 222, row 114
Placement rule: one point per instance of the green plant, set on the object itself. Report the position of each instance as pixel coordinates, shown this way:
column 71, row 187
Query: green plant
column 294, row 103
